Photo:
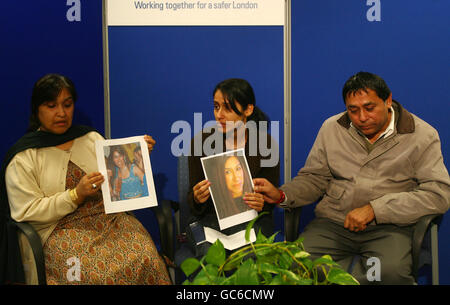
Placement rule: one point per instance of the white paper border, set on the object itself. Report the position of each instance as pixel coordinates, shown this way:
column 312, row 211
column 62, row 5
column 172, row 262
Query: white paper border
column 236, row 219
column 129, row 204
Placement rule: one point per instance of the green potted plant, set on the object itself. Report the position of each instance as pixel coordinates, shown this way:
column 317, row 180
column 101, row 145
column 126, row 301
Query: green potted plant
column 264, row 262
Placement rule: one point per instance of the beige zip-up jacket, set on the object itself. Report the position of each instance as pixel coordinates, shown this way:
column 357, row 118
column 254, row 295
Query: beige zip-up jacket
column 402, row 176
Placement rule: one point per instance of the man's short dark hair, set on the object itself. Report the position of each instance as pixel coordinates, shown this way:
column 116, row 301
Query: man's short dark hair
column 364, row 81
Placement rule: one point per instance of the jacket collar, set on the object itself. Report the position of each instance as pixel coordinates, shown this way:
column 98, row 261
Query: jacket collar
column 404, row 119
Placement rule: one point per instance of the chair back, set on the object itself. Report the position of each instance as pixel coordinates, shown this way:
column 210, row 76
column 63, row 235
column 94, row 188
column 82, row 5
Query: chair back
column 183, row 188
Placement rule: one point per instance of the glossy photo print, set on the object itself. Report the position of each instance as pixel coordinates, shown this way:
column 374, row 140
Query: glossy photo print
column 230, row 179
column 125, row 164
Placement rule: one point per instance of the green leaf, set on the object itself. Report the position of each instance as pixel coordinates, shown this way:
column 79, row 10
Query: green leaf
column 266, row 267
column 216, row 254
column 250, row 226
column 299, row 240
column 264, row 251
column 272, row 238
column 201, row 279
column 304, row 281
column 260, row 238
column 227, row 280
column 285, row 261
column 189, row 266
column 277, row 280
column 289, row 275
column 341, row 277
column 300, row 254
column 232, row 265
column 268, row 257
column 307, row 263
column 325, row 260
column 212, row 270
column 247, row 274
column 267, row 278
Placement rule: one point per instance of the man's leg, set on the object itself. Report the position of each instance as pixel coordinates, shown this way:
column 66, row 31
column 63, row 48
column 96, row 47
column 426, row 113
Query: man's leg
column 322, row 236
column 390, row 246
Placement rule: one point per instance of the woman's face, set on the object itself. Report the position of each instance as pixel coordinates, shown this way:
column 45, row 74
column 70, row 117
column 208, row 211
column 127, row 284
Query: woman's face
column 224, row 113
column 118, row 159
column 234, row 176
column 56, row 116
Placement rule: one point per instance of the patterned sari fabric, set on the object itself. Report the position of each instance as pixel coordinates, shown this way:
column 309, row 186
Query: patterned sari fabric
column 91, row 247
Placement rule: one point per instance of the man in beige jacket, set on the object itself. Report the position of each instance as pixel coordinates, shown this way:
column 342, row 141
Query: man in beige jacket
column 376, row 169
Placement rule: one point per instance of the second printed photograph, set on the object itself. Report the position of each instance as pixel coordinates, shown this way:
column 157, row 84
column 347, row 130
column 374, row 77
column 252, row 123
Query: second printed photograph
column 230, row 179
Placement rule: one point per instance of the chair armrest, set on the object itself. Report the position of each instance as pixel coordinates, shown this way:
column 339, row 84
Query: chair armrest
column 163, row 213
column 420, row 229
column 291, row 223
column 36, row 246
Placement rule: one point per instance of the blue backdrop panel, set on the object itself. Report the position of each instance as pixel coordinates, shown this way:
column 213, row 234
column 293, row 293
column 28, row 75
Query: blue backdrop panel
column 409, row 48
column 38, row 39
column 159, row 75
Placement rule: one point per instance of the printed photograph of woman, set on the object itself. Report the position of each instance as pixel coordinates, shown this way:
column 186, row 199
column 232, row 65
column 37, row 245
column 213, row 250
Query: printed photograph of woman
column 126, row 174
column 230, row 181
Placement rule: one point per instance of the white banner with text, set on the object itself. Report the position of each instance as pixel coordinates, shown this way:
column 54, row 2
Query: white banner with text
column 194, row 12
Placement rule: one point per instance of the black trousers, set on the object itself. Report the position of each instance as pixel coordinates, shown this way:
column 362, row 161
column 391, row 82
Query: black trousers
column 384, row 250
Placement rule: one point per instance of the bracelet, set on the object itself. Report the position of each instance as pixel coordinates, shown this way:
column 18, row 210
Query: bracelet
column 73, row 195
column 282, row 198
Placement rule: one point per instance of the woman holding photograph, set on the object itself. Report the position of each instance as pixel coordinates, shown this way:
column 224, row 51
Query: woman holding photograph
column 128, row 179
column 234, row 106
column 52, row 182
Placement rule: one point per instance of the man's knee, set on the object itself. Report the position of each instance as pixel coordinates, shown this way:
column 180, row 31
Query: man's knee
column 387, row 271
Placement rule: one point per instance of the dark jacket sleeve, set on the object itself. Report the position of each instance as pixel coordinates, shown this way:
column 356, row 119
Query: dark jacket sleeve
column 196, row 175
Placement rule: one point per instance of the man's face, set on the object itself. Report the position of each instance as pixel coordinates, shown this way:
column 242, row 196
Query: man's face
column 369, row 113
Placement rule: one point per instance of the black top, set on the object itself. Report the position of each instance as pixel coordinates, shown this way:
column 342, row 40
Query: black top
column 206, row 213
column 11, row 268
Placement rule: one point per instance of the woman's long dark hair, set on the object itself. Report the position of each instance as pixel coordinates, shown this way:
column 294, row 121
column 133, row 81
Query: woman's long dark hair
column 46, row 89
column 237, row 90
column 116, row 181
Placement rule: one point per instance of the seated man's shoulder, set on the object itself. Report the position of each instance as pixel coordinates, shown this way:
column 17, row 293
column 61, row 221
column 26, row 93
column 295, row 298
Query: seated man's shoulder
column 421, row 126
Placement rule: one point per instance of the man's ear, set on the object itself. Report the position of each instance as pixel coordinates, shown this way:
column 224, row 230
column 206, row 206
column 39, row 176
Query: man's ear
column 388, row 101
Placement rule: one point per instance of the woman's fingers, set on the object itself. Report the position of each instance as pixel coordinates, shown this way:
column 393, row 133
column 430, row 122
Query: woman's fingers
column 201, row 191
column 90, row 184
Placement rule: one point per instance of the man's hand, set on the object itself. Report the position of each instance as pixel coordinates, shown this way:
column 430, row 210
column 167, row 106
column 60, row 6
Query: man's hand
column 267, row 189
column 357, row 219
column 254, row 201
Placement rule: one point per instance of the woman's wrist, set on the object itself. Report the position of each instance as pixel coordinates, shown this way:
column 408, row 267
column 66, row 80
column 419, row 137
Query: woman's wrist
column 74, row 196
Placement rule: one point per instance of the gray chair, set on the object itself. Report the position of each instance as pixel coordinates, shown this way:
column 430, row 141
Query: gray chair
column 424, row 240
column 35, row 243
column 425, row 249
column 177, row 217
